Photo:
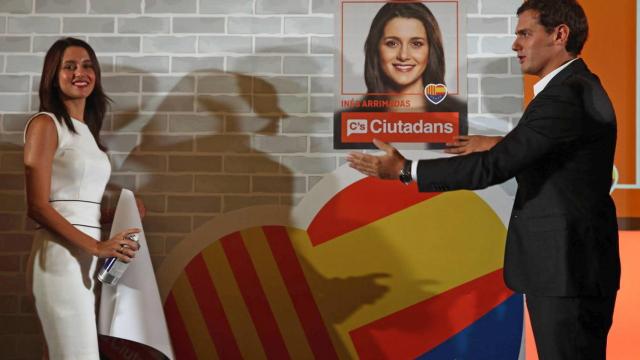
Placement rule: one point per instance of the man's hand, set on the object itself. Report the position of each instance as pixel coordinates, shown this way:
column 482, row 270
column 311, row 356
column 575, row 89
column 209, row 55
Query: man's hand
column 385, row 166
column 473, row 143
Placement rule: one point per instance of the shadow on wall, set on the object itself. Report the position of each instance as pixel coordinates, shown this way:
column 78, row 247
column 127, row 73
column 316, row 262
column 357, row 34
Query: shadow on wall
column 21, row 327
column 196, row 152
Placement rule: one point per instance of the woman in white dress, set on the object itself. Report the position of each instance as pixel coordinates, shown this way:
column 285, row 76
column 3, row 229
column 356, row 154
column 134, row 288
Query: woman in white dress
column 66, row 174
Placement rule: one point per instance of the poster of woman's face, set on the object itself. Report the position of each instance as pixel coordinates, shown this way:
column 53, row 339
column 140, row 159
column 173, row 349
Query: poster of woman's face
column 398, row 46
column 402, row 73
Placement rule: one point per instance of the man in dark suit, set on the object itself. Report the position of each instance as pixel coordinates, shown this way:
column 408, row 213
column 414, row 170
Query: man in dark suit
column 562, row 241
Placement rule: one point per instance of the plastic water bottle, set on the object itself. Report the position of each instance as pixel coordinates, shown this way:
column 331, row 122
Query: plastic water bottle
column 113, row 267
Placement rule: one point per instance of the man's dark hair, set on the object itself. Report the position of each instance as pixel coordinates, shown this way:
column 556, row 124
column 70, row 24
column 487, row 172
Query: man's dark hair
column 557, row 12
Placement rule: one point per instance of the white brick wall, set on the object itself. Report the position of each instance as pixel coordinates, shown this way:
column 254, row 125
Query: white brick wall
column 219, row 105
column 495, row 106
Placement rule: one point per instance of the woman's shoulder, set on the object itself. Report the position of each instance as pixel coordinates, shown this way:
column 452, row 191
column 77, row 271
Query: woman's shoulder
column 43, row 115
column 42, row 119
column 44, row 123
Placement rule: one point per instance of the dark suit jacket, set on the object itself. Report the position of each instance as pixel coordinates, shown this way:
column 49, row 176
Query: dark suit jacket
column 563, row 237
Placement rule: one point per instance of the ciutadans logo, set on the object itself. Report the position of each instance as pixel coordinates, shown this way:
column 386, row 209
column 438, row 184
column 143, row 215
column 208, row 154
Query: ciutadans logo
column 378, row 126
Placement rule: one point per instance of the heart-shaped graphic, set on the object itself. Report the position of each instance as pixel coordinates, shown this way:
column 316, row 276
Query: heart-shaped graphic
column 435, row 93
column 338, row 277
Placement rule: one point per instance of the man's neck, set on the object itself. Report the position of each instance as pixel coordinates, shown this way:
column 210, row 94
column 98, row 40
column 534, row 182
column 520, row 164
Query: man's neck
column 542, row 83
column 556, row 63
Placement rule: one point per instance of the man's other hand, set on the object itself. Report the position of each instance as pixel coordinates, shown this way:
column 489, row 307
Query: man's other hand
column 463, row 145
column 386, row 166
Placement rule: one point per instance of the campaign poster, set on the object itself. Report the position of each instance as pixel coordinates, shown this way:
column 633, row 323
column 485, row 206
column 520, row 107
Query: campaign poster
column 402, row 74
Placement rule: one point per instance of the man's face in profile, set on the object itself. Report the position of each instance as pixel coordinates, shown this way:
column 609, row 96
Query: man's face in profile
column 534, row 46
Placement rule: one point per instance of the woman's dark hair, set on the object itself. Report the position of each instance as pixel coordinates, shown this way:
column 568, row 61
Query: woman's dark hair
column 557, row 12
column 51, row 95
column 375, row 78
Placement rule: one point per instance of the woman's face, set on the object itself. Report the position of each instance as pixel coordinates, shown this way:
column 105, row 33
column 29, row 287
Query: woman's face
column 76, row 77
column 404, row 53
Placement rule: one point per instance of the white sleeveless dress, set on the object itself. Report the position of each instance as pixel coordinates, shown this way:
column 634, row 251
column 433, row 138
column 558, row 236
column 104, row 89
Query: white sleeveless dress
column 62, row 275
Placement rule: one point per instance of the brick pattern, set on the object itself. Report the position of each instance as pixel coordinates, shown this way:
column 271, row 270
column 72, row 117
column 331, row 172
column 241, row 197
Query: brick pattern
column 494, row 81
column 218, row 106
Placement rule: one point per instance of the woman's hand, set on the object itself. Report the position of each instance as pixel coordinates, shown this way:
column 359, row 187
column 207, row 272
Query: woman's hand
column 118, row 246
column 473, row 143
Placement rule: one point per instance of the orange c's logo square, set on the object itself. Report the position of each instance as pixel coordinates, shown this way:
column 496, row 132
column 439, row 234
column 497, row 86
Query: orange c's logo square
column 357, row 126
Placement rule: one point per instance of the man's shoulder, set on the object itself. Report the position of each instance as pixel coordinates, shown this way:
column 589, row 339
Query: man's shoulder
column 575, row 83
column 583, row 87
column 585, row 84
column 580, row 75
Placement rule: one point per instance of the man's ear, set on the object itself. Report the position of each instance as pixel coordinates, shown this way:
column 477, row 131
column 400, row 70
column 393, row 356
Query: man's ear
column 562, row 34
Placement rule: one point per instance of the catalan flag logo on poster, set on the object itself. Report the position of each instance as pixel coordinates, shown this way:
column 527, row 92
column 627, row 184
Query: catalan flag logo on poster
column 435, row 93
column 339, row 277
